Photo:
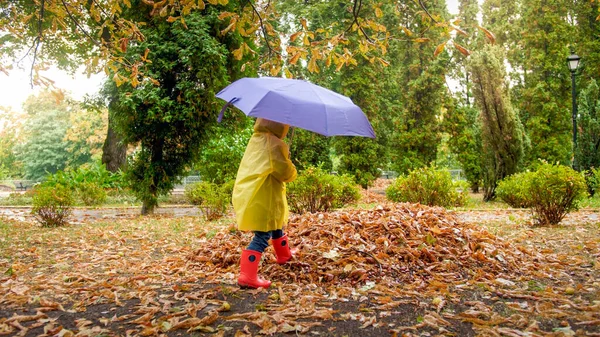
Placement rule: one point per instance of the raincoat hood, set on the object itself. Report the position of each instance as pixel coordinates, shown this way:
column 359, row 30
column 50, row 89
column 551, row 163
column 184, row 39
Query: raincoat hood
column 276, row 128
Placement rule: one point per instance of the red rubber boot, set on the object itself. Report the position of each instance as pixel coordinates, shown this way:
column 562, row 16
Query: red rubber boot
column 249, row 271
column 282, row 249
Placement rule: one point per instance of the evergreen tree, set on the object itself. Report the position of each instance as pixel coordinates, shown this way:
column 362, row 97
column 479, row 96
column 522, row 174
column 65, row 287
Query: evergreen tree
column 169, row 115
column 586, row 29
column 535, row 34
column 421, row 91
column 587, row 154
column 503, row 139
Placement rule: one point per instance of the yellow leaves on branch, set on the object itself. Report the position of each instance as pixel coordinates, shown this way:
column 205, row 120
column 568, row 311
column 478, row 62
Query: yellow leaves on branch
column 243, row 49
column 488, row 34
column 421, row 39
column 439, row 49
column 461, row 49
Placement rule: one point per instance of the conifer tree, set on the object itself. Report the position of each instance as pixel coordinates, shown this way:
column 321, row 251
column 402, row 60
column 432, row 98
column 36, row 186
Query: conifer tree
column 503, row 139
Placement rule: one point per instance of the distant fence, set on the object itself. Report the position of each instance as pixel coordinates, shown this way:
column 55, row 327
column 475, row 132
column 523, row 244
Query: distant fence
column 456, row 174
column 187, row 181
column 16, row 184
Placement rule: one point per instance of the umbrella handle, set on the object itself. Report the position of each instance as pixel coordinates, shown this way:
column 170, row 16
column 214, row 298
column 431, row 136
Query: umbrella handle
column 220, row 118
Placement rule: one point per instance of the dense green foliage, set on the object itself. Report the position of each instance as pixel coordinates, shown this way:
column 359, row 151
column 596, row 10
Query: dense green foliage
column 96, row 174
column 89, row 183
column 554, row 191
column 9, row 164
column 315, row 190
column 52, row 205
column 309, row 149
column 428, row 186
column 464, row 128
column 211, row 198
column 359, row 158
column 48, row 145
column 514, row 190
column 219, row 160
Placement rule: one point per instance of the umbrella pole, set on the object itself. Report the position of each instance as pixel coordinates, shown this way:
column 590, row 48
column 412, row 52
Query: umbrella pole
column 291, row 140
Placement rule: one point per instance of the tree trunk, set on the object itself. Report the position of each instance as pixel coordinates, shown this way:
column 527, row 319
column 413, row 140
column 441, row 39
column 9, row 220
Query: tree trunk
column 114, row 151
column 148, row 207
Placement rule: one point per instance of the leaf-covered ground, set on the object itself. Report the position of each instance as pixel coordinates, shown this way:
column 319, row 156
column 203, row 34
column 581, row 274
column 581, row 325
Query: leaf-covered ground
column 389, row 270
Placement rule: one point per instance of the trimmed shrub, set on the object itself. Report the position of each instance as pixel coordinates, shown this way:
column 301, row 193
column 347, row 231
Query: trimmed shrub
column 427, row 186
column 513, row 190
column 209, row 197
column 317, row 191
column 554, row 191
column 52, row 205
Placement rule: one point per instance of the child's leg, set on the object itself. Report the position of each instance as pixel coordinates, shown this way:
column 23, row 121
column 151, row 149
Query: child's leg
column 276, row 234
column 250, row 259
column 260, row 242
column 282, row 246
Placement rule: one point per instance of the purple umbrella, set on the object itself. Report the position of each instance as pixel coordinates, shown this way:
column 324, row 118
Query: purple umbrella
column 297, row 103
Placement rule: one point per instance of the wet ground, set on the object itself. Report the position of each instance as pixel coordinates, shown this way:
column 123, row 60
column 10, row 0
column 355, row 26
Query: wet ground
column 82, row 214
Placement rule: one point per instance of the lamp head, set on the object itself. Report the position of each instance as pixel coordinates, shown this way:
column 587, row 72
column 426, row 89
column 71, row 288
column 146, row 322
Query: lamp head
column 573, row 62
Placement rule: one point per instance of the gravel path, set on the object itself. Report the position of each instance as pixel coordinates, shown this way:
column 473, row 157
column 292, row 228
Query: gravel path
column 81, row 214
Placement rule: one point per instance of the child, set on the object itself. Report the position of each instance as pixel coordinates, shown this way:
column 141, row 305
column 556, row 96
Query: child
column 259, row 198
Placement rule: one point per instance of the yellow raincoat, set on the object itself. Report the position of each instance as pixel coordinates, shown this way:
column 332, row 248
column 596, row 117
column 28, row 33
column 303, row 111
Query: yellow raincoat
column 259, row 193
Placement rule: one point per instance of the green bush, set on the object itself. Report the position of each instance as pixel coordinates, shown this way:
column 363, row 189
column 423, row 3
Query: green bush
column 90, row 183
column 513, row 190
column 553, row 191
column 209, row 197
column 227, row 189
column 52, row 205
column 317, row 191
column 91, row 194
column 18, row 198
column 96, row 173
column 428, row 186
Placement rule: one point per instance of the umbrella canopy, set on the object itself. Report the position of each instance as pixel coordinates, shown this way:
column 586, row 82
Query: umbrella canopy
column 297, row 103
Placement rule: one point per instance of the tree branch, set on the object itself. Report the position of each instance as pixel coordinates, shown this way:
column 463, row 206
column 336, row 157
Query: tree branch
column 36, row 41
column 426, row 11
column 355, row 11
column 262, row 26
column 77, row 23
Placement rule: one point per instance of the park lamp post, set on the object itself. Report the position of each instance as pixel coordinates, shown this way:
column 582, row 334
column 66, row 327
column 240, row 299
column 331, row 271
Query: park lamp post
column 573, row 63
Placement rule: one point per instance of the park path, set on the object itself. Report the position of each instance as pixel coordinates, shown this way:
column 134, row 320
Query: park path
column 83, row 214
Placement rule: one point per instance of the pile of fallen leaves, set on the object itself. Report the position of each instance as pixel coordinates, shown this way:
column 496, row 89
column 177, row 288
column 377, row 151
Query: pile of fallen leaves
column 391, row 245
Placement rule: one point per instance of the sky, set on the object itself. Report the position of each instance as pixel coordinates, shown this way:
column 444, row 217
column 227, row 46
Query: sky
column 15, row 88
